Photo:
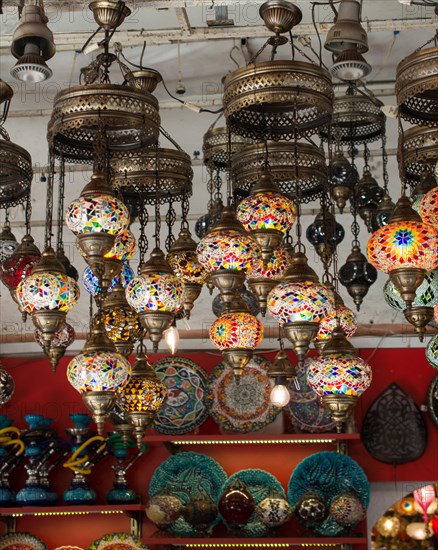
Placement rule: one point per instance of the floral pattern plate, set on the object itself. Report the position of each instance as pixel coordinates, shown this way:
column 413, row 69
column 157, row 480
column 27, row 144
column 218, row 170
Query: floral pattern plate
column 21, row 541
column 118, row 541
column 187, row 384
column 304, row 410
column 242, row 406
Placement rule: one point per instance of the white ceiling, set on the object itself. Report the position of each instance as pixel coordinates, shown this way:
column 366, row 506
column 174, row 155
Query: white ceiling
column 203, row 64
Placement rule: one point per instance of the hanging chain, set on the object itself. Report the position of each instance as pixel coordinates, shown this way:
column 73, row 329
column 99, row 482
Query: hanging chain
column 400, row 156
column 218, row 185
column 157, row 201
column 366, row 158
column 143, row 218
column 210, row 188
column 170, row 138
column 355, row 228
column 185, row 205
column 170, row 222
column 229, row 188
column 385, row 164
column 28, row 213
column 99, row 150
column 59, row 245
column 49, row 201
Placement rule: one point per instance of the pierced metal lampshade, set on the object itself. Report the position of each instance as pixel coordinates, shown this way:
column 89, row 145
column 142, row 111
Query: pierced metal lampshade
column 295, row 168
column 137, row 173
column 420, row 151
column 215, row 147
column 416, row 88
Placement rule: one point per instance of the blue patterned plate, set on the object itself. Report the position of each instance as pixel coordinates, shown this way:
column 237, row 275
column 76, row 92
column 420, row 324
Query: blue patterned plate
column 242, row 406
column 187, row 385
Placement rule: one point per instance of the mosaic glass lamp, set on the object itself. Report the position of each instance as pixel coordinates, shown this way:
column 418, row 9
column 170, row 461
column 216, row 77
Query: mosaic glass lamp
column 48, row 294
column 426, row 183
column 156, row 294
column 227, row 253
column 63, row 338
column 432, row 352
column 143, row 396
column 91, row 282
column 264, row 277
column 340, row 316
column 405, row 248
column 184, row 263
column 96, row 217
column 267, row 214
column 98, row 373
column 429, row 207
column 421, row 311
column 121, row 251
column 236, row 334
column 339, row 377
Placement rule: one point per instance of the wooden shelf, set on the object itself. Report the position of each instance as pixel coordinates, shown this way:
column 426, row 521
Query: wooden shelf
column 165, row 539
column 248, row 439
column 19, row 511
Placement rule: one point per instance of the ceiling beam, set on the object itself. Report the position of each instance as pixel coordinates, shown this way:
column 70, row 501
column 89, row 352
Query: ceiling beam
column 183, row 20
column 68, row 41
column 157, row 4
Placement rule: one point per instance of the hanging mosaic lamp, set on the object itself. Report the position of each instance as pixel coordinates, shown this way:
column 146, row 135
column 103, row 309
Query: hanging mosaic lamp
column 426, row 184
column 121, row 251
column 219, row 308
column 299, row 303
column 226, row 253
column 48, row 294
column 184, row 263
column 98, row 373
column 432, row 352
column 421, row 312
column 368, row 197
column 325, row 234
column 121, row 322
column 341, row 316
column 262, row 278
column 266, row 214
column 405, row 248
column 143, row 396
column 339, row 377
column 343, row 177
column 8, row 242
column 18, row 266
column 429, row 207
column 156, row 294
column 357, row 275
column 96, row 217
column 63, row 338
column 236, row 334
column 91, row 282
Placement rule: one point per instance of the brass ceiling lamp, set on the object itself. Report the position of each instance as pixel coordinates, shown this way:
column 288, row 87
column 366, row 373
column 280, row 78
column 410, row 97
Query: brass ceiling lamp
column 286, row 98
column 32, row 44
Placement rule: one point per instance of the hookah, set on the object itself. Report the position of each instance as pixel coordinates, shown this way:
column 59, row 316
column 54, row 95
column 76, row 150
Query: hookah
column 11, row 451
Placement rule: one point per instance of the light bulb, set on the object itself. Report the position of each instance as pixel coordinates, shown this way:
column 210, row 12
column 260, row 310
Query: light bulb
column 171, row 337
column 280, row 395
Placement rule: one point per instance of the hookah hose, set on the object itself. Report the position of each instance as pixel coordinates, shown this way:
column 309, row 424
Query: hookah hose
column 8, row 440
column 76, row 461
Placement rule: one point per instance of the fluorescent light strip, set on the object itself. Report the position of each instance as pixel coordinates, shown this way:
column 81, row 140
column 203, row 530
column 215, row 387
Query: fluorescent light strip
column 252, row 441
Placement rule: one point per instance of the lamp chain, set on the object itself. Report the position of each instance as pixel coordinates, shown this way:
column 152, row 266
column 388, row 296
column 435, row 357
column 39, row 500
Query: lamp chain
column 157, row 201
column 143, row 218
column 185, row 205
column 218, row 185
column 28, row 213
column 229, row 192
column 170, row 222
column 61, row 197
column 366, row 158
column 210, row 188
column 385, row 164
column 400, row 156
column 49, row 201
column 355, row 228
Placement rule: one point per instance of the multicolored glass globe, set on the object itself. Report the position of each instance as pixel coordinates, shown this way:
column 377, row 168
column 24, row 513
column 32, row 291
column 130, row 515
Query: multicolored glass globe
column 64, row 337
column 91, row 282
column 301, row 301
column 432, row 352
column 183, row 259
column 339, row 374
column 123, row 247
column 429, row 207
column 18, row 266
column 426, row 294
column 236, row 330
column 155, row 292
column 227, row 250
column 343, row 316
column 404, row 244
column 274, row 269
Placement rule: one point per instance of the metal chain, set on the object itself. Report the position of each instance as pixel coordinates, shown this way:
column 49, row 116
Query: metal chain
column 210, row 188
column 28, row 213
column 385, row 164
column 170, row 221
column 157, row 201
column 366, row 157
column 99, row 149
column 49, row 201
column 60, row 228
column 218, row 185
column 229, row 187
column 255, row 56
column 170, row 138
column 143, row 218
column 401, row 156
column 185, row 205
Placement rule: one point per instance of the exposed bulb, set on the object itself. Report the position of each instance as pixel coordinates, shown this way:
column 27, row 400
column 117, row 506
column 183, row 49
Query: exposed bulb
column 280, row 395
column 171, row 337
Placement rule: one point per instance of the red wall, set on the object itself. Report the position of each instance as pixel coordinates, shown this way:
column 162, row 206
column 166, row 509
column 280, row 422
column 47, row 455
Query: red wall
column 39, row 391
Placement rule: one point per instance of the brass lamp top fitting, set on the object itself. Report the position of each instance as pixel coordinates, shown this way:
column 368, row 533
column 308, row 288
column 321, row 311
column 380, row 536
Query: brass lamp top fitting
column 404, row 212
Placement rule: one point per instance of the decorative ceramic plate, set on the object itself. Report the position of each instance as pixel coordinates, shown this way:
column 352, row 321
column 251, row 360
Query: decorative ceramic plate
column 304, row 410
column 118, row 541
column 432, row 400
column 242, row 406
column 69, row 548
column 189, row 477
column 21, row 541
column 187, row 385
column 260, row 484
